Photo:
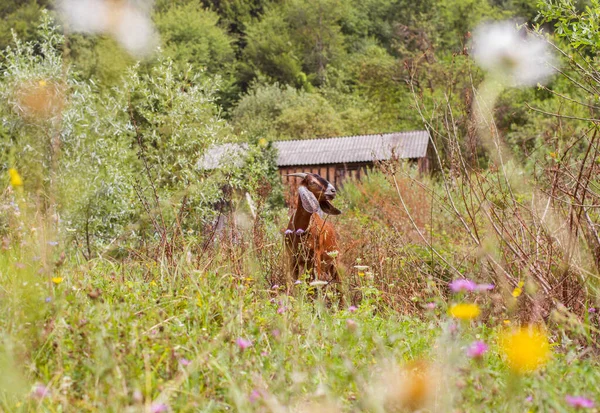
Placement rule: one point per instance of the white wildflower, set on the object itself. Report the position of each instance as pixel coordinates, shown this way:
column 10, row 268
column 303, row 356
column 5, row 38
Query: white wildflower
column 514, row 57
column 128, row 24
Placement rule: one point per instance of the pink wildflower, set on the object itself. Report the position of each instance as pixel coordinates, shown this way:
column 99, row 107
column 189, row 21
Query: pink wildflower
column 431, row 306
column 281, row 310
column 184, row 362
column 462, row 285
column 254, row 396
column 484, row 287
column 591, row 310
column 159, row 408
column 40, row 391
column 580, row 402
column 243, row 344
column 477, row 349
column 352, row 308
column 351, row 324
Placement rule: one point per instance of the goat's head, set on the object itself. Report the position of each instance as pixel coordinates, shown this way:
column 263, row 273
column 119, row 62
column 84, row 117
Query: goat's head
column 316, row 192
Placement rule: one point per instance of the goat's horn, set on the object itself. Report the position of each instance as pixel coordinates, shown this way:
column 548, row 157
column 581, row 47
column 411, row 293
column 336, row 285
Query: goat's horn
column 298, row 174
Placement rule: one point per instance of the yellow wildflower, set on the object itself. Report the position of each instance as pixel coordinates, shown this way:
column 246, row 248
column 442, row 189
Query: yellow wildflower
column 15, row 178
column 526, row 348
column 262, row 142
column 518, row 289
column 42, row 83
column 464, row 311
column 57, row 280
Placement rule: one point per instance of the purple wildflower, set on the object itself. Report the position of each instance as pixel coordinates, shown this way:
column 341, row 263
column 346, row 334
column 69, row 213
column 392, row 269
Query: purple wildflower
column 288, row 232
column 591, row 310
column 484, row 287
column 48, row 299
column 351, row 324
column 529, row 399
column 477, row 349
column 281, row 310
column 184, row 362
column 242, row 343
column 297, row 282
column 254, row 396
column 40, row 391
column 352, row 308
column 580, row 402
column 275, row 287
column 159, row 408
column 462, row 285
column 300, row 231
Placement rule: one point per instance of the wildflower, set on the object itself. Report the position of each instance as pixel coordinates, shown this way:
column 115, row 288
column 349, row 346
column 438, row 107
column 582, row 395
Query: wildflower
column 255, row 395
column 15, row 178
column 288, row 232
column 243, row 344
column 431, row 306
column 159, row 408
column 333, row 254
column 352, row 308
column 529, row 399
column 351, row 324
column 297, row 282
column 48, row 299
column 484, row 287
column 526, row 349
column 591, row 310
column 409, row 389
column 580, row 402
column 128, row 24
column 464, row 311
column 515, row 59
column 57, row 280
column 518, row 289
column 275, row 287
column 40, row 391
column 281, row 310
column 361, row 267
column 184, row 362
column 462, row 285
column 477, row 349
column 262, row 142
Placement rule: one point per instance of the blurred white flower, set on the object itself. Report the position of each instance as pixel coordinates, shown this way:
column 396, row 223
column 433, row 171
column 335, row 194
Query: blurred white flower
column 512, row 56
column 128, row 24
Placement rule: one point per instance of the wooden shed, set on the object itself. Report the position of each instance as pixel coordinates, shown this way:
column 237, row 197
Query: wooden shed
column 335, row 159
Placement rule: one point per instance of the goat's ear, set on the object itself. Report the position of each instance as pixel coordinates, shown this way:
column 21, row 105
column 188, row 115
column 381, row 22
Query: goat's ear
column 328, row 208
column 309, row 201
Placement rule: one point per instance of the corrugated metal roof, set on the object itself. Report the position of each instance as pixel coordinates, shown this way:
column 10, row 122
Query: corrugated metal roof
column 362, row 148
column 348, row 149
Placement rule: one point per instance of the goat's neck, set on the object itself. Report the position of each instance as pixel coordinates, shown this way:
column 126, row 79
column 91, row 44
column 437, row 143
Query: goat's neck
column 301, row 217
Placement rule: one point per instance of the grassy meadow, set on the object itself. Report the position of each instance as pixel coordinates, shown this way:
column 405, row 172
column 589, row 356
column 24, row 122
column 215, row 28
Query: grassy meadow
column 133, row 279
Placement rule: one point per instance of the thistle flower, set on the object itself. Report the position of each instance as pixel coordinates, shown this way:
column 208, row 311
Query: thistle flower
column 462, row 285
column 477, row 349
column 159, row 408
column 243, row 344
column 512, row 56
column 40, row 391
column 464, row 311
column 580, row 402
column 526, row 348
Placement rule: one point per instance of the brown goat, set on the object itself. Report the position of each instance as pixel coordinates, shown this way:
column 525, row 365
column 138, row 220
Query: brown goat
column 310, row 240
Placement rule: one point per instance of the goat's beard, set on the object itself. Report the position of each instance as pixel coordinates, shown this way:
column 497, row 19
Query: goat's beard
column 328, row 207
